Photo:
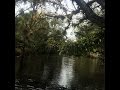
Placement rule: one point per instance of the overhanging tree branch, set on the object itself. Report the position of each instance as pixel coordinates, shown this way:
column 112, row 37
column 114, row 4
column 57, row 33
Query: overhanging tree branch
column 90, row 15
column 102, row 3
column 64, row 16
column 80, row 21
column 90, row 3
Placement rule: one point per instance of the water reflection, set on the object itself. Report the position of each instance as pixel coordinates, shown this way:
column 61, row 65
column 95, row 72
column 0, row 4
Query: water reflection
column 55, row 72
column 66, row 74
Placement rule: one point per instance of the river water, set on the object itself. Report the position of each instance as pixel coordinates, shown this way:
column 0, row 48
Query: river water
column 59, row 73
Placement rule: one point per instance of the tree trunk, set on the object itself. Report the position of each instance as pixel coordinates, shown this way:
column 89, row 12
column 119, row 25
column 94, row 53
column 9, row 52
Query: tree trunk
column 90, row 15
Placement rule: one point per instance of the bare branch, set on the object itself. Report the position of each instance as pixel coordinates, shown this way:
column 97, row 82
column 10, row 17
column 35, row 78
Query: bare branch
column 101, row 2
column 93, row 17
column 90, row 3
column 69, row 16
column 80, row 21
column 23, row 11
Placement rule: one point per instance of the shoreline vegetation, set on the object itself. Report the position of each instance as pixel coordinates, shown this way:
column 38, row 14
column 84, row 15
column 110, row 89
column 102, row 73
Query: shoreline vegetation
column 29, row 52
column 40, row 32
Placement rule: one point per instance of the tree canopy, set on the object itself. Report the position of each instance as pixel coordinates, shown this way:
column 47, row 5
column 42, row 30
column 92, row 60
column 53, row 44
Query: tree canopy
column 44, row 27
column 92, row 10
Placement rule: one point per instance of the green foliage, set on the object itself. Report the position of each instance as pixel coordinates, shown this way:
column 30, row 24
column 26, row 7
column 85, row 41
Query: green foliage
column 90, row 40
column 41, row 35
column 91, row 37
column 35, row 32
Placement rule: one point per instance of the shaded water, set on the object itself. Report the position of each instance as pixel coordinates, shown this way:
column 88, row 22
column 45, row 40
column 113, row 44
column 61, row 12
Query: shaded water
column 59, row 73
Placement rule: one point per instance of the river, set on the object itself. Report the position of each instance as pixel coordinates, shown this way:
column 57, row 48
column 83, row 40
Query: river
column 59, row 73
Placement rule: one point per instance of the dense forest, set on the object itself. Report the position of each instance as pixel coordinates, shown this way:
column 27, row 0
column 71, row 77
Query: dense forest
column 59, row 44
column 42, row 30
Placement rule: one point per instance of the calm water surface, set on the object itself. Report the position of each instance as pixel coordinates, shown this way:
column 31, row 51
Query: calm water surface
column 59, row 73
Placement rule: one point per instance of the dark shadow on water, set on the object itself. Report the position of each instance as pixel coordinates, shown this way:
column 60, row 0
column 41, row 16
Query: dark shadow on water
column 58, row 73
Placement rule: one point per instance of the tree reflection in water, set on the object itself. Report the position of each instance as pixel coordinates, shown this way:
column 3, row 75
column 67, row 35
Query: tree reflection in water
column 59, row 73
